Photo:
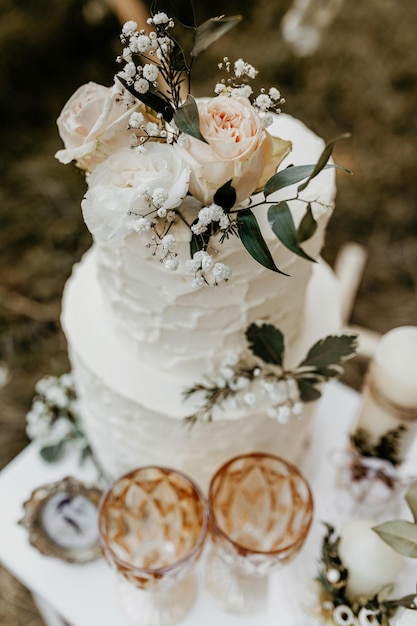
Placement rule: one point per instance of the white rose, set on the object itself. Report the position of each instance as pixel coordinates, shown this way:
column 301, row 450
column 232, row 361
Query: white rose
column 94, row 124
column 123, row 184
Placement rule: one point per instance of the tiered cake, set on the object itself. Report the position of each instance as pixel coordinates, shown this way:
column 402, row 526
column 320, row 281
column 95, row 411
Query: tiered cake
column 140, row 335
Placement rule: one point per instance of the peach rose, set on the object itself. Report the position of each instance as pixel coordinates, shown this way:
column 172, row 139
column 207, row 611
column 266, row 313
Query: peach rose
column 93, row 124
column 237, row 148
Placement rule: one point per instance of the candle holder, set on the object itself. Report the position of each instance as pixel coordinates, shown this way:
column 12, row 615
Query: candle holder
column 359, row 596
column 260, row 510
column 385, row 428
column 153, row 524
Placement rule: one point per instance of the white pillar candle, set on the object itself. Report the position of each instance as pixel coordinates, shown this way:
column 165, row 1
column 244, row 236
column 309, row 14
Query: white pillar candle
column 371, row 563
column 390, row 392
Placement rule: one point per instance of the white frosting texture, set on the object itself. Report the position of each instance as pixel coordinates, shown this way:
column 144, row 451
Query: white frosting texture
column 139, row 335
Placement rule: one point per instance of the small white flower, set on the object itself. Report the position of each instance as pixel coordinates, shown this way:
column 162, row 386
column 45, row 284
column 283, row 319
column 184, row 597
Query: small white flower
column 274, row 93
column 152, row 129
column 256, row 371
column 141, row 85
column 298, row 408
column 161, row 212
column 263, row 102
column 160, row 18
column 220, row 88
column 129, row 70
column 224, row 222
column 198, row 282
column 221, row 271
column 207, row 262
column 67, row 380
column 243, row 91
column 136, row 120
column 150, row 72
column 57, row 397
column 199, row 228
column 141, row 225
column 227, row 373
column 171, row 265
column 343, row 615
column 283, row 414
column 143, row 43
column 249, row 398
column 129, row 28
column 168, row 243
column 192, row 265
column 367, row 617
column 333, row 575
column 159, row 197
column 231, row 359
column 127, row 55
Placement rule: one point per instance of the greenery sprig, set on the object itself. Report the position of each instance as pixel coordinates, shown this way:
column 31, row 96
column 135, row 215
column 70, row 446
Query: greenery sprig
column 260, row 373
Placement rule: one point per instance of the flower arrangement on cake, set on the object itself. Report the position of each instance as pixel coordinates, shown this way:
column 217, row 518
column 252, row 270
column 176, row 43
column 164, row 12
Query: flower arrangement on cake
column 147, row 144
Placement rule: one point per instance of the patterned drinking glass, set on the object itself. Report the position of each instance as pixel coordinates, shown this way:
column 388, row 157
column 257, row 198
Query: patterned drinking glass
column 153, row 523
column 261, row 509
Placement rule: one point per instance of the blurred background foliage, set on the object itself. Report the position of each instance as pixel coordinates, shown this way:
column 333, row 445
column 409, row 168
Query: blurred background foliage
column 362, row 80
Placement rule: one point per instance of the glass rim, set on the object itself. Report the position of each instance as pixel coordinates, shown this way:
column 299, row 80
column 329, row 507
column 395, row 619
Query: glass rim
column 242, row 548
column 196, row 547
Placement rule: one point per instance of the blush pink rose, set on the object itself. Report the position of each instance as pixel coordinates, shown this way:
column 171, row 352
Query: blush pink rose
column 237, row 148
column 93, row 124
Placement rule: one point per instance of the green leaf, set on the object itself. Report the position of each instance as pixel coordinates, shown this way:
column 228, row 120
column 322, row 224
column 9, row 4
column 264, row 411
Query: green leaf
column 307, row 226
column 400, row 535
column 225, row 196
column 411, row 499
column 330, row 351
column 308, row 393
column 211, row 30
column 54, row 452
column 187, row 119
column 322, row 162
column 152, row 100
column 282, row 224
column 252, row 239
column 291, row 175
column 266, row 342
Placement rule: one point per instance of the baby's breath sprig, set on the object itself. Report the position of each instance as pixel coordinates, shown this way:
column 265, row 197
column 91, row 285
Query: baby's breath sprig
column 258, row 377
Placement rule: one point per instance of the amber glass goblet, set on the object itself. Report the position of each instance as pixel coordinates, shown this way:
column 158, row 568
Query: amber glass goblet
column 261, row 509
column 153, row 523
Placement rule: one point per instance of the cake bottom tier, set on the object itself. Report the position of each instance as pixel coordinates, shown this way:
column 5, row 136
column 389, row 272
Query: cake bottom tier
column 124, row 433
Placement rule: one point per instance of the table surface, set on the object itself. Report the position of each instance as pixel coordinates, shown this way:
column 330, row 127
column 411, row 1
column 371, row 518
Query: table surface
column 85, row 594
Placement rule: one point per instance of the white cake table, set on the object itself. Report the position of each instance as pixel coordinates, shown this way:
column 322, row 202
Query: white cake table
column 84, row 595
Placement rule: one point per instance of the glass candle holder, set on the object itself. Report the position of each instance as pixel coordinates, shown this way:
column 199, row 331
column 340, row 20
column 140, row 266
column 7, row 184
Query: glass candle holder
column 260, row 509
column 153, row 523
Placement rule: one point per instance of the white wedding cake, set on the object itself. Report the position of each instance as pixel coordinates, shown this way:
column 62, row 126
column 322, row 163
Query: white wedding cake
column 145, row 322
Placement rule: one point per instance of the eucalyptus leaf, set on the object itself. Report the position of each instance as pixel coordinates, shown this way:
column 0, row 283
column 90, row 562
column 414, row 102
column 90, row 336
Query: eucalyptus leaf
column 331, row 351
column 282, row 224
column 252, row 239
column 322, row 162
column 225, row 196
column 187, row 119
column 411, row 499
column 308, row 393
column 400, row 535
column 53, row 453
column 210, row 31
column 291, row 175
column 307, row 226
column 266, row 342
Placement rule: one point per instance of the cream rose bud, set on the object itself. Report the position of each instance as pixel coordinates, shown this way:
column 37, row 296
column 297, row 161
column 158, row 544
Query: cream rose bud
column 121, row 188
column 93, row 124
column 237, row 148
